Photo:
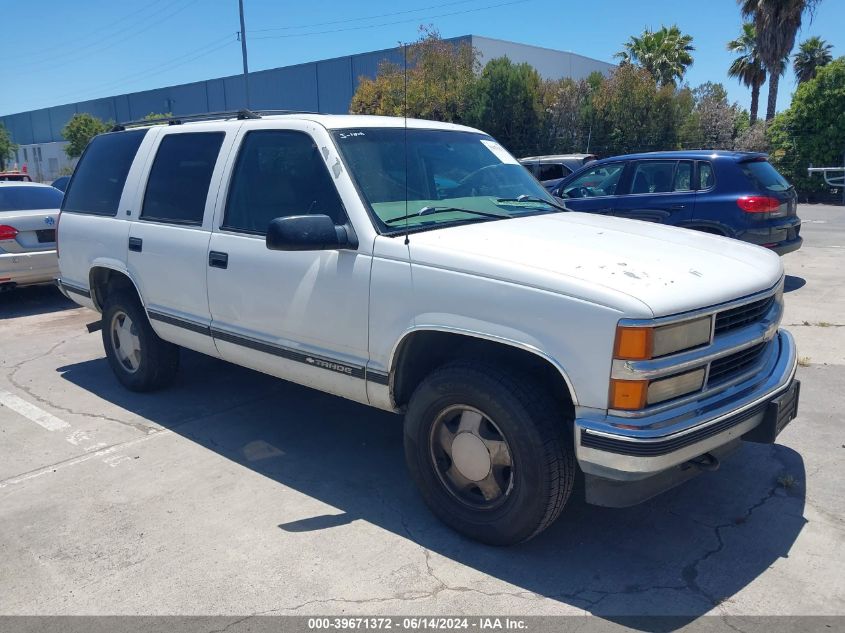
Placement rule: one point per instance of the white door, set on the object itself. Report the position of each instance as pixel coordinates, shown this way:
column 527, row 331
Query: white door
column 298, row 315
column 169, row 235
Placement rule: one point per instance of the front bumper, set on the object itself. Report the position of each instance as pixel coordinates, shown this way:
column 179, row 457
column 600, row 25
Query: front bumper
column 28, row 268
column 605, row 449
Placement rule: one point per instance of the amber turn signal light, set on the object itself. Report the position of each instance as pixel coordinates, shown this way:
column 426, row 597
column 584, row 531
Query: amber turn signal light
column 633, row 343
column 629, row 395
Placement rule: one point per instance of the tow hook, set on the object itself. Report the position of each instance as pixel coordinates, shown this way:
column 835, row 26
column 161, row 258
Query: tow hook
column 707, row 462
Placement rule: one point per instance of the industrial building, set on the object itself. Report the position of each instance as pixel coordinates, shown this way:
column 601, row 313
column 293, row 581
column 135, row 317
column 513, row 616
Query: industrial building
column 321, row 86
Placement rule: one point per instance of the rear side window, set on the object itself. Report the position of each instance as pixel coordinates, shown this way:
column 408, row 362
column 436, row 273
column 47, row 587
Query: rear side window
column 279, row 173
column 653, row 176
column 764, row 176
column 706, row 179
column 97, row 183
column 178, row 184
column 29, row 198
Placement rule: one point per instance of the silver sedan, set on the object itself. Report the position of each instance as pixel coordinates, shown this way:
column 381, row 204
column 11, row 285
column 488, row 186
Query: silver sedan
column 29, row 213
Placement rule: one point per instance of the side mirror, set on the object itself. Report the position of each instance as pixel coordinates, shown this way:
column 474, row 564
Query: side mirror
column 308, row 233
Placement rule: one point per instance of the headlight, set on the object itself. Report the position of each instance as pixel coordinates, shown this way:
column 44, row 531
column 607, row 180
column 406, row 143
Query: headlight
column 631, row 395
column 644, row 343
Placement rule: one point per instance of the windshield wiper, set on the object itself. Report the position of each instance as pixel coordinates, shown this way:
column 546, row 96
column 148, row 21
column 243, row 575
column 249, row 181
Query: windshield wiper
column 433, row 210
column 526, row 198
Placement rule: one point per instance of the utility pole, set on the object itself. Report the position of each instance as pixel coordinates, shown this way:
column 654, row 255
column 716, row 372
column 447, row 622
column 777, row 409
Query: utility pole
column 242, row 37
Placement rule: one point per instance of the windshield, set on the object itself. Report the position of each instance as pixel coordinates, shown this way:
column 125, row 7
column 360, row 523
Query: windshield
column 28, row 198
column 465, row 177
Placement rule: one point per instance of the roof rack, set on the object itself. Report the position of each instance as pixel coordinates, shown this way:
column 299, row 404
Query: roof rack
column 205, row 116
column 179, row 120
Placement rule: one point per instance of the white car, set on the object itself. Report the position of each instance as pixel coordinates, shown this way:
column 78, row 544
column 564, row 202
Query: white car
column 28, row 215
column 416, row 267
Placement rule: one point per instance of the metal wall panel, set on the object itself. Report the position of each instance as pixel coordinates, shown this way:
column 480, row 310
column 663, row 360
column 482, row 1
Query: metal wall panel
column 234, row 90
column 188, row 99
column 334, row 85
column 551, row 64
column 41, row 129
column 216, row 95
column 143, row 103
column 121, row 109
column 59, row 116
column 367, row 64
column 100, row 108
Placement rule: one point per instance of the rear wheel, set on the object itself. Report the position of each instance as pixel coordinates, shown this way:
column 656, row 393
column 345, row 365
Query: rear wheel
column 139, row 358
column 490, row 453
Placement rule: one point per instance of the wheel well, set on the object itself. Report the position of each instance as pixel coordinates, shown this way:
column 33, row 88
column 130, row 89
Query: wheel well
column 104, row 282
column 422, row 352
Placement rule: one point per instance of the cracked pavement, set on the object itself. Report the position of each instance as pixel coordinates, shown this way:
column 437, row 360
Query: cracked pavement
column 236, row 494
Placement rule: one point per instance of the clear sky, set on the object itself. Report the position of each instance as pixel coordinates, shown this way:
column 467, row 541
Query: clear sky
column 58, row 51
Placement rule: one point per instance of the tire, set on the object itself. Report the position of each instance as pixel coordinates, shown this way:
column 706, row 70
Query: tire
column 534, row 487
column 154, row 363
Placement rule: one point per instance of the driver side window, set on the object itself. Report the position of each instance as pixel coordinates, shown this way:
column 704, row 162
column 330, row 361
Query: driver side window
column 599, row 181
column 279, row 173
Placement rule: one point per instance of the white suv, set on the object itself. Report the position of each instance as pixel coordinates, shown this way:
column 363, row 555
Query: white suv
column 416, row 267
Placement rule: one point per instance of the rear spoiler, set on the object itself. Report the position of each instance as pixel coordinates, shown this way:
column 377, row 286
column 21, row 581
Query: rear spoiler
column 753, row 157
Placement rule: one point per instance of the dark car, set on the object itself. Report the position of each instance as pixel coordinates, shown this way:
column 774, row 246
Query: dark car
column 552, row 168
column 736, row 194
column 60, row 183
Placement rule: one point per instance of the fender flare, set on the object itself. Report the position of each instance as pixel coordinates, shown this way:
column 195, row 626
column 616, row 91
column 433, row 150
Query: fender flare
column 532, row 349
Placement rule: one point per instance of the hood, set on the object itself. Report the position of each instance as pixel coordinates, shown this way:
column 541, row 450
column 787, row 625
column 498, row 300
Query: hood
column 627, row 264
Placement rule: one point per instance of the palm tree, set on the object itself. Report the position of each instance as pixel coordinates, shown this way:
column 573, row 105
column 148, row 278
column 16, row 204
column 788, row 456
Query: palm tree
column 748, row 67
column 664, row 53
column 776, row 23
column 813, row 53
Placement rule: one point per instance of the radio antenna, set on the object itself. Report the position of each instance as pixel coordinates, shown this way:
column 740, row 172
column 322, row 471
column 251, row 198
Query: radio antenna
column 405, row 132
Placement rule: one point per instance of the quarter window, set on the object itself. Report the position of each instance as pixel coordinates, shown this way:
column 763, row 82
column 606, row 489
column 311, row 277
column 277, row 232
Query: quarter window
column 705, row 176
column 683, row 177
column 279, row 173
column 177, row 188
column 97, row 183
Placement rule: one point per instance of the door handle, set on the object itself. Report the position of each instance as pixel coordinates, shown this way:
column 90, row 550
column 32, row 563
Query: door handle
column 216, row 259
column 676, row 207
column 136, row 244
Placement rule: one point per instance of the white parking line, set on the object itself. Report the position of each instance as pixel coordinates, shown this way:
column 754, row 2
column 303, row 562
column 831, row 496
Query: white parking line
column 30, row 411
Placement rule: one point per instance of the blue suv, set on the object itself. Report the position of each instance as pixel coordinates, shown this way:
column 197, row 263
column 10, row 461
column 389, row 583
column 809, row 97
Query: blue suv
column 736, row 194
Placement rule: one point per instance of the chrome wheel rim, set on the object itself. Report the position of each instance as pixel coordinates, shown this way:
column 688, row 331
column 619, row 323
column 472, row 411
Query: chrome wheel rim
column 471, row 457
column 125, row 341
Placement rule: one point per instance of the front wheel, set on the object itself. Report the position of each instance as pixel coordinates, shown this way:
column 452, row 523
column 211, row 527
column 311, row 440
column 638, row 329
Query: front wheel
column 489, row 452
column 139, row 358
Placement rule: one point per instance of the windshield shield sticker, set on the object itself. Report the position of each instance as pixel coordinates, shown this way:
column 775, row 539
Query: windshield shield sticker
column 499, row 152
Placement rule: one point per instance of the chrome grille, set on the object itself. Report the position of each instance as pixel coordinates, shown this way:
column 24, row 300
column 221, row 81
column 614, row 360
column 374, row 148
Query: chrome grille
column 725, row 368
column 742, row 315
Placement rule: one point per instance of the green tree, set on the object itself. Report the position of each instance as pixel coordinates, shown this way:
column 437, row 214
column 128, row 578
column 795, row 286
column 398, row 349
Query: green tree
column 567, row 115
column 155, row 116
column 747, row 66
column 80, row 130
column 776, row 23
column 665, row 53
column 813, row 53
column 507, row 105
column 631, row 113
column 7, row 147
column 713, row 123
column 812, row 130
column 439, row 82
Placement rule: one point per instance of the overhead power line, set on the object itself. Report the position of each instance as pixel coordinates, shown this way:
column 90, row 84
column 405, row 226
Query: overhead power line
column 115, row 38
column 373, row 26
column 361, row 19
